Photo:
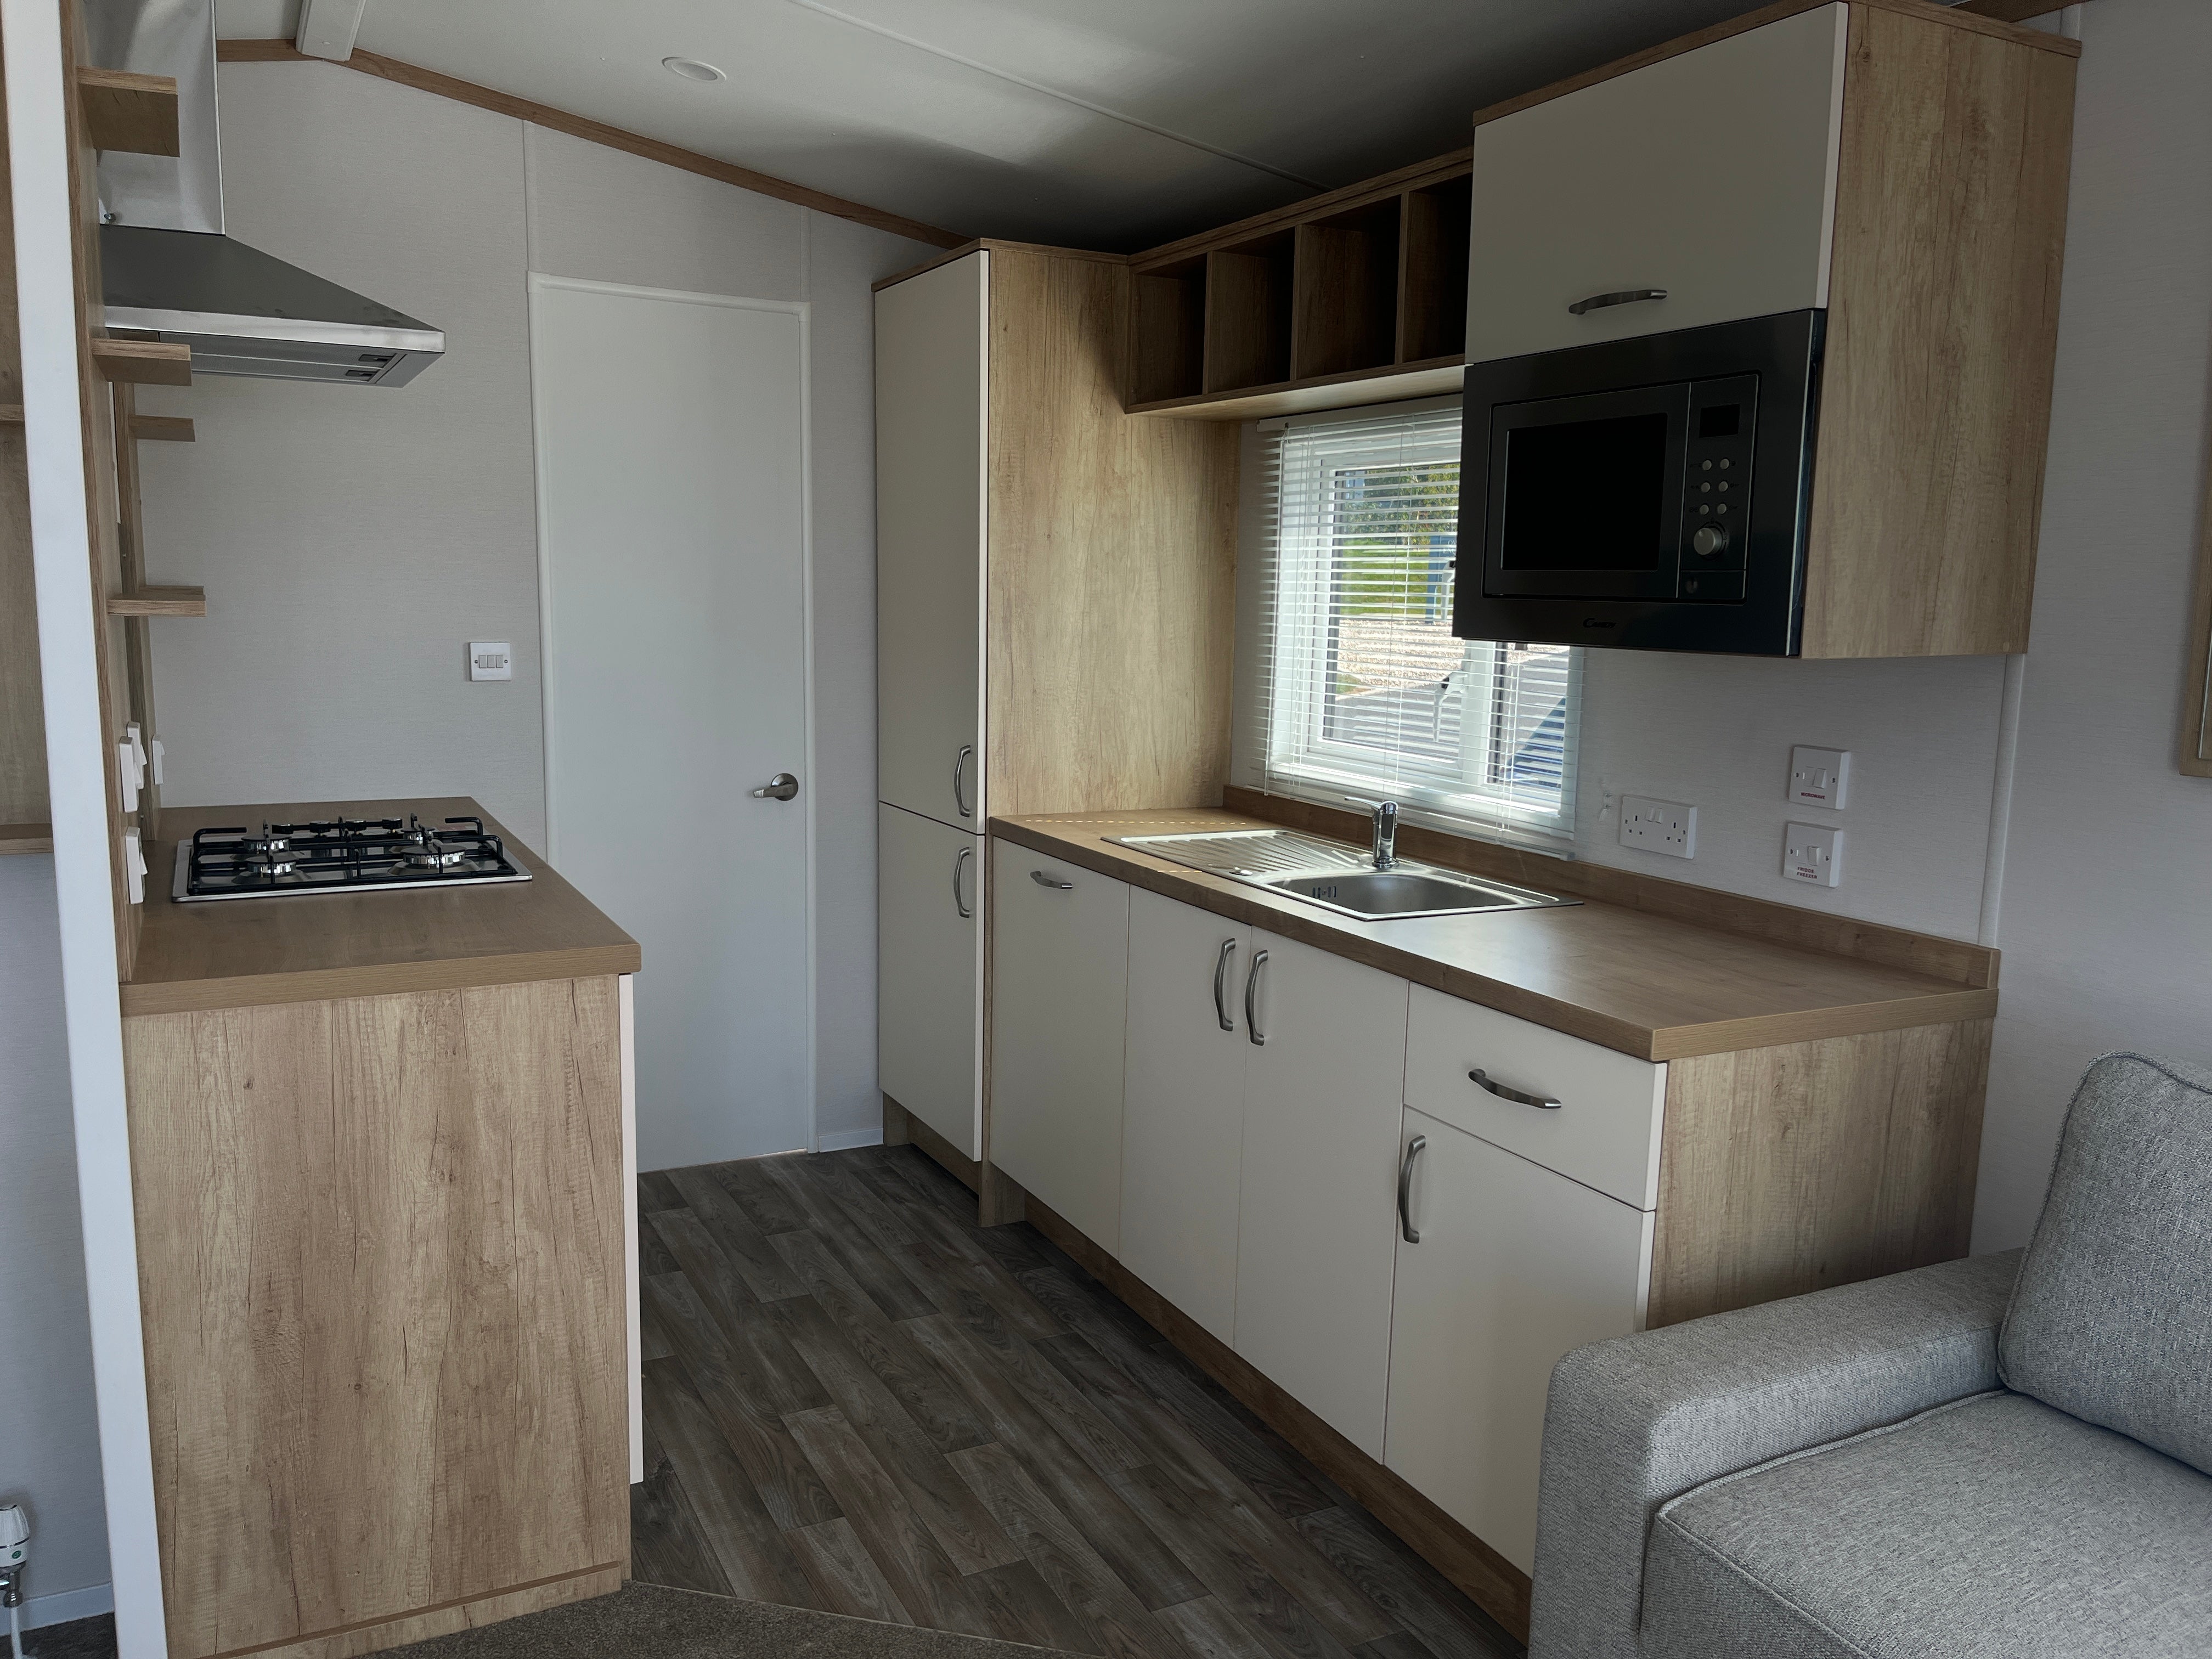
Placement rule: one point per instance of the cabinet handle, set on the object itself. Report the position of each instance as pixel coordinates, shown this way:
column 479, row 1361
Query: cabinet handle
column 1220, row 986
column 1481, row 1080
column 1627, row 296
column 1043, row 880
column 960, row 779
column 959, row 898
column 1251, row 991
column 1414, row 1148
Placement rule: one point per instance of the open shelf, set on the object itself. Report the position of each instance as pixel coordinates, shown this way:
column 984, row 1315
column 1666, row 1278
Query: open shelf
column 128, row 112
column 25, row 838
column 1432, row 259
column 1171, row 331
column 159, row 602
column 162, row 428
column 1358, row 296
column 144, row 362
column 1248, row 313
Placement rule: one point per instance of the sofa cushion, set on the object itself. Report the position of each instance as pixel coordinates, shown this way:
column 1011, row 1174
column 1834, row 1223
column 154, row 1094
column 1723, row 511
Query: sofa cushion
column 1993, row 1527
column 2112, row 1317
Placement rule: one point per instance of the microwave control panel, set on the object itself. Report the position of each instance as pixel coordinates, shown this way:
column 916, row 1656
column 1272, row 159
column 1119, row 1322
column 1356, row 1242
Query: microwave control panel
column 1724, row 421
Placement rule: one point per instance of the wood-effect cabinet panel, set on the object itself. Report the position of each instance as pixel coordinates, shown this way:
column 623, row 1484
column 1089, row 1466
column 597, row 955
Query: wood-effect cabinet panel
column 1182, row 1127
column 1061, row 960
column 380, row 1247
column 1514, row 1265
column 1324, row 1088
column 929, row 998
column 1710, row 176
column 932, row 412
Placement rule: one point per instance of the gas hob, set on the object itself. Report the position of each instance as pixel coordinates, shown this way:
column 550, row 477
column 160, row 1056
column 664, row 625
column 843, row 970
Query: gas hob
column 342, row 855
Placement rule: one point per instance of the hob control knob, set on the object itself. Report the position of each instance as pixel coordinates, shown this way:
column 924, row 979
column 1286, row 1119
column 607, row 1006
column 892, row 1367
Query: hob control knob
column 1710, row 542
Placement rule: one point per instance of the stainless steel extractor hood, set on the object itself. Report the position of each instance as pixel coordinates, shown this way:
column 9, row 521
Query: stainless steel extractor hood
column 170, row 272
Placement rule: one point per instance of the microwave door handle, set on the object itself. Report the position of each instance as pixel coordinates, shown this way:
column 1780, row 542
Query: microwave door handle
column 1627, row 296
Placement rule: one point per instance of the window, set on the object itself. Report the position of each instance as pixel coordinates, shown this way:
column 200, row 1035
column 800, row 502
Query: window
column 1354, row 684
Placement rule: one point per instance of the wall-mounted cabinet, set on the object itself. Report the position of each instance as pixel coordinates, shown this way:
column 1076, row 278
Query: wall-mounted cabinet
column 1356, row 297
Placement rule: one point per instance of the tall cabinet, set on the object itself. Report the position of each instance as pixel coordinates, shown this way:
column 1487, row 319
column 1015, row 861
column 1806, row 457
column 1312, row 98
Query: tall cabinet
column 1054, row 586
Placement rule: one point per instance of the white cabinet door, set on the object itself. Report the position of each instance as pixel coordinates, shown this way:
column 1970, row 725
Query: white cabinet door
column 1060, row 980
column 1317, row 1212
column 929, row 986
column 1183, row 1106
column 1710, row 175
column 930, row 416
column 1515, row 1265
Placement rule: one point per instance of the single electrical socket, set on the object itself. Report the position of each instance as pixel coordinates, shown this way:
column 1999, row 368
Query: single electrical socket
column 1659, row 826
column 490, row 662
column 1817, row 777
column 1814, row 853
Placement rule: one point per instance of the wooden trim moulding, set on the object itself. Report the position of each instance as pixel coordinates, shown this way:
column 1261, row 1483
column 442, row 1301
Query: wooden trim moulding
column 976, row 245
column 596, row 132
column 182, row 996
column 25, row 838
column 143, row 362
column 162, row 428
column 121, row 110
column 159, row 602
column 1495, row 1585
column 1972, row 966
column 1435, row 169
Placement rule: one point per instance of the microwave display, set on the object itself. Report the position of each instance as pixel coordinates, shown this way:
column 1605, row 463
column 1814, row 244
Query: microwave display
column 1555, row 520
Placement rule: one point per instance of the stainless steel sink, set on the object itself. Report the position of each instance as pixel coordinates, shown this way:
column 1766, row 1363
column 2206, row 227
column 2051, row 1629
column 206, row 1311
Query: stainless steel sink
column 1336, row 877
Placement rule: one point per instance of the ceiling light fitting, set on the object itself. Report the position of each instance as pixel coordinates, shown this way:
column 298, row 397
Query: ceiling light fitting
column 692, row 70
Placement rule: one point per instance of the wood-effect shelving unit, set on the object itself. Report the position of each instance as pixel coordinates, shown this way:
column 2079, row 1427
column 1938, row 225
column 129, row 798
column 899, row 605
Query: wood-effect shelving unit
column 1357, row 297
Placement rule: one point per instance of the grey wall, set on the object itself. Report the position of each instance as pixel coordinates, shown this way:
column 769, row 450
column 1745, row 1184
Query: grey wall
column 353, row 542
column 50, row 1446
column 2107, row 918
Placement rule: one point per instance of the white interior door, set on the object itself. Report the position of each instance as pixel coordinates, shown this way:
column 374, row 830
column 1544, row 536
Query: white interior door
column 671, row 436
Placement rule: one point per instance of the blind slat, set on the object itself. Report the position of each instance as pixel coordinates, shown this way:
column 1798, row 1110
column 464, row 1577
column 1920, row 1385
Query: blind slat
column 1361, row 687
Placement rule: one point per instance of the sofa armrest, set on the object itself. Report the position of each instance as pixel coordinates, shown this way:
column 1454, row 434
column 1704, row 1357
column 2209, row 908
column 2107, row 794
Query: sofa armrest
column 1634, row 1422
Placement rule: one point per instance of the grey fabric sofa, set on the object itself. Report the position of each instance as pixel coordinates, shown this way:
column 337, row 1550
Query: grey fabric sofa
column 2004, row 1457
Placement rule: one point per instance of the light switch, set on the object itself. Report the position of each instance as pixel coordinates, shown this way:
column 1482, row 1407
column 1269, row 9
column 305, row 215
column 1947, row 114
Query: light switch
column 1817, row 777
column 490, row 661
column 1813, row 853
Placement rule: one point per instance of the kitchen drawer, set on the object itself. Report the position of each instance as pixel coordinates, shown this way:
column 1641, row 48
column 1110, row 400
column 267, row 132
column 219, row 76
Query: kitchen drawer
column 1709, row 174
column 1605, row 1131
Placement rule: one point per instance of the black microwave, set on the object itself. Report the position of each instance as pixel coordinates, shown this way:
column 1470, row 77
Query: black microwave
column 1651, row 493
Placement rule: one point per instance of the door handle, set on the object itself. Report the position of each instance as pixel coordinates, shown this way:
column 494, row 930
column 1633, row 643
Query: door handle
column 1481, row 1079
column 781, row 787
column 960, row 779
column 1220, row 985
column 1043, row 880
column 960, row 861
column 1627, row 296
column 1414, row 1148
column 1251, row 992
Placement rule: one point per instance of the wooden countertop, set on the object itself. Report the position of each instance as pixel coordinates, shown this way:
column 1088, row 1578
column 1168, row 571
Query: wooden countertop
column 1651, row 986
column 244, row 952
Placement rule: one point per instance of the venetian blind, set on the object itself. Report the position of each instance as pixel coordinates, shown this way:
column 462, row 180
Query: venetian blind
column 1360, row 688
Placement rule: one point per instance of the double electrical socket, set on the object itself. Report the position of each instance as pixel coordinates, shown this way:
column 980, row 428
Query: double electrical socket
column 1659, row 826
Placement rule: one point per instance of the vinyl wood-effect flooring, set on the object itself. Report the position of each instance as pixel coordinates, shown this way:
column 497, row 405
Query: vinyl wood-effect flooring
column 857, row 1399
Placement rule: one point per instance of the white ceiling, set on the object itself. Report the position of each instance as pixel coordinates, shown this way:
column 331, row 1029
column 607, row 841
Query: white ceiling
column 1114, row 123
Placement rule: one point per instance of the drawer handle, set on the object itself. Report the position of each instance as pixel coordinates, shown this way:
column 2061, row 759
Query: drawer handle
column 1220, row 985
column 1251, row 991
column 1043, row 880
column 1627, row 296
column 1481, row 1080
column 1414, row 1148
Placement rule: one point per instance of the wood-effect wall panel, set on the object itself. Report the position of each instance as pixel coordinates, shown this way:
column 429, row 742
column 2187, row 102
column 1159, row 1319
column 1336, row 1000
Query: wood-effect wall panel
column 380, row 1247
column 1794, row 1168
column 1112, row 562
column 1950, row 229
